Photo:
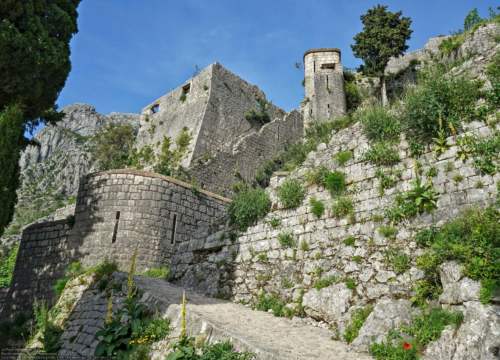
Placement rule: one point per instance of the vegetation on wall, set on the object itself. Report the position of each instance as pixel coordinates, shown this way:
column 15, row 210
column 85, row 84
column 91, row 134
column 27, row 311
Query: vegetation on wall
column 248, row 206
column 261, row 115
column 168, row 160
column 407, row 342
column 7, row 264
column 353, row 96
column 473, row 239
column 291, row 193
column 439, row 103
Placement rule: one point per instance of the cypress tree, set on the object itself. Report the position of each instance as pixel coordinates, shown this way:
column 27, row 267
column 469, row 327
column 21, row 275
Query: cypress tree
column 34, row 63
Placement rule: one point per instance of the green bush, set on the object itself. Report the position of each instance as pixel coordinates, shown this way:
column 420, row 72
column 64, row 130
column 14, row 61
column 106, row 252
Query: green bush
column 357, row 320
column 343, row 157
column 112, row 146
column 158, row 273
column 387, row 179
column 274, row 222
column 349, row 241
column 7, row 265
column 387, row 231
column 397, row 260
column 439, row 103
column 451, row 44
column 50, row 333
column 422, row 330
column 350, row 283
column 317, row 207
column 291, row 193
column 72, row 271
column 335, row 182
column 483, row 151
column 261, row 115
column 129, row 329
column 379, row 124
column 248, row 206
column 342, row 207
column 286, row 239
column 428, row 326
column 325, row 282
column 353, row 96
column 473, row 240
column 186, row 349
column 419, row 199
column 266, row 302
column 382, row 153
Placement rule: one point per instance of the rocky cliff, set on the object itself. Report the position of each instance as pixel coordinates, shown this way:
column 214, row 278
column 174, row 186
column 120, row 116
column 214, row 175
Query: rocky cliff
column 51, row 170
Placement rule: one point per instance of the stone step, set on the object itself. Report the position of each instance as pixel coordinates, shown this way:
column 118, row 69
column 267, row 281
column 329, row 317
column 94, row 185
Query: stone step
column 267, row 336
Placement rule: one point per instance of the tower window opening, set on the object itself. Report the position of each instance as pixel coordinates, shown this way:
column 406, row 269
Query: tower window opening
column 174, row 227
column 115, row 230
column 327, row 82
column 186, row 89
column 314, row 66
column 328, row 105
column 328, row 66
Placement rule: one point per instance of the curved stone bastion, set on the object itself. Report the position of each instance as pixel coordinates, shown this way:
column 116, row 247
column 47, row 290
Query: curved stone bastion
column 117, row 212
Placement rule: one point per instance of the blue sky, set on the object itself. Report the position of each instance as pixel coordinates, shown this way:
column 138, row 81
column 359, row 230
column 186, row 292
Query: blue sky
column 129, row 52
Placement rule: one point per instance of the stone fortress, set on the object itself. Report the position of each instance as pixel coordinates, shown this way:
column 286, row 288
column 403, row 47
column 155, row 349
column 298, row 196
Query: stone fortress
column 169, row 221
column 175, row 224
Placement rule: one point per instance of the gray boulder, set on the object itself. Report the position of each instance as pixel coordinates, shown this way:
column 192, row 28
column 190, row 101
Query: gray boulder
column 387, row 314
column 478, row 338
column 457, row 289
column 329, row 304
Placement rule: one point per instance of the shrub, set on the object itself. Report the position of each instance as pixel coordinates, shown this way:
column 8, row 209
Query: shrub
column 158, row 273
column 7, row 266
column 286, row 239
column 261, row 115
column 419, row 199
column 451, row 44
column 325, row 282
column 353, row 97
column 266, row 302
column 291, row 193
column 274, row 222
column 397, row 260
column 335, row 182
column 428, row 326
column 357, row 320
column 50, row 333
column 343, row 157
column 387, row 179
column 168, row 160
column 248, row 206
column 380, row 125
column 471, row 239
column 484, row 152
column 387, row 231
column 317, row 207
column 111, row 147
column 342, row 207
column 382, row 153
column 186, row 349
column 349, row 241
column 72, row 271
column 439, row 103
column 350, row 283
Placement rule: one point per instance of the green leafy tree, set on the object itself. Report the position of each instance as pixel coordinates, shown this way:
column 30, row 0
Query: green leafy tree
column 384, row 35
column 472, row 19
column 34, row 63
column 112, row 146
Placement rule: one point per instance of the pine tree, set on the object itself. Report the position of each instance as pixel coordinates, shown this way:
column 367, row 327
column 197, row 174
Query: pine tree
column 34, row 63
column 384, row 35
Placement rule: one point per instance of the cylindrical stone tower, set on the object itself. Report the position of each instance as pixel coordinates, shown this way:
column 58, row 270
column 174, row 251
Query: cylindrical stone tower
column 324, row 85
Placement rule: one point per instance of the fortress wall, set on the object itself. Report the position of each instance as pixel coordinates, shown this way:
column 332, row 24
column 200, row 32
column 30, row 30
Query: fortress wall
column 224, row 122
column 257, row 260
column 173, row 114
column 221, row 171
column 121, row 210
column 43, row 256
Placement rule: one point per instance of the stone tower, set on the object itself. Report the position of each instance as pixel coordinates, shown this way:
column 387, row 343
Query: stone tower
column 324, row 85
